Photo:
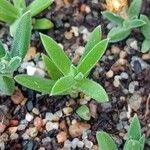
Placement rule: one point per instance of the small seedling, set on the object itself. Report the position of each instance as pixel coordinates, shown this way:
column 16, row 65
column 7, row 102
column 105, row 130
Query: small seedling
column 146, row 33
column 11, row 13
column 66, row 78
column 135, row 141
column 10, row 60
column 125, row 25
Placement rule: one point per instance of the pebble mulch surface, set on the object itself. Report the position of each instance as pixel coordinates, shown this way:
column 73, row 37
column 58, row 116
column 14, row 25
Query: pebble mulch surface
column 31, row 121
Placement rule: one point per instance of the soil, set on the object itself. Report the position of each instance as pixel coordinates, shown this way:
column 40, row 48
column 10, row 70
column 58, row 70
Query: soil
column 113, row 117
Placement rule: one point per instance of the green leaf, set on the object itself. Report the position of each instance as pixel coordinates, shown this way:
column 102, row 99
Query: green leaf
column 2, row 50
column 118, row 34
column 94, row 90
column 35, row 83
column 22, row 36
column 19, row 4
column 56, row 54
column 7, row 11
column 114, row 18
column 7, row 85
column 38, row 6
column 94, row 38
column 134, row 23
column 105, row 142
column 62, row 85
column 142, row 141
column 132, row 145
column 134, row 9
column 134, row 131
column 92, row 57
column 84, row 112
column 146, row 28
column 145, row 46
column 42, row 24
column 51, row 68
column 13, row 27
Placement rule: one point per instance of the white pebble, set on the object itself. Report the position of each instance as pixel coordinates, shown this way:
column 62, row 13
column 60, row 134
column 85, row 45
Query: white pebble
column 29, row 117
column 31, row 70
column 50, row 126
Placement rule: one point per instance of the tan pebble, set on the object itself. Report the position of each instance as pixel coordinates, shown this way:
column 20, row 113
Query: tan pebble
column 61, row 137
column 32, row 132
column 68, row 35
column 17, row 97
column 35, row 111
column 38, row 122
column 123, row 54
column 14, row 122
column 2, row 127
column 41, row 148
column 12, row 130
column 122, row 61
column 110, row 74
column 93, row 109
column 146, row 56
column 78, row 128
column 115, row 49
column 63, row 126
column 116, row 83
column 31, row 53
column 95, row 147
column 67, row 110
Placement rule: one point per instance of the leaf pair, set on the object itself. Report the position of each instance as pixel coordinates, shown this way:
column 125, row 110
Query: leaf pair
column 11, row 13
column 135, row 141
column 124, row 26
column 10, row 61
column 68, row 78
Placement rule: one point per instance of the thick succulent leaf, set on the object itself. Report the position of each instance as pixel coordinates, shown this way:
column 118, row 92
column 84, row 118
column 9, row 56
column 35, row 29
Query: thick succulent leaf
column 142, row 141
column 134, row 9
column 114, row 18
column 51, row 68
column 146, row 28
column 13, row 27
column 105, row 142
column 62, row 85
column 42, row 24
column 56, row 54
column 4, row 17
column 94, row 38
column 22, row 36
column 118, row 34
column 7, row 85
column 2, row 50
column 35, row 83
column 132, row 145
column 84, row 112
column 19, row 4
column 93, row 89
column 92, row 57
column 8, row 10
column 38, row 6
column 134, row 23
column 145, row 46
column 134, row 131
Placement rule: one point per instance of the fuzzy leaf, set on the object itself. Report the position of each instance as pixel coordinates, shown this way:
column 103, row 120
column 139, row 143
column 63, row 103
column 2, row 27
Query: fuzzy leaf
column 105, row 142
column 134, row 9
column 94, row 90
column 134, row 131
column 114, row 18
column 38, row 6
column 22, row 36
column 142, row 141
column 51, row 68
column 35, row 83
column 145, row 46
column 146, row 28
column 134, row 23
column 2, row 50
column 84, row 112
column 56, row 54
column 94, row 38
column 92, row 57
column 118, row 34
column 7, row 11
column 7, row 85
column 62, row 85
column 42, row 24
column 132, row 145
column 19, row 4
